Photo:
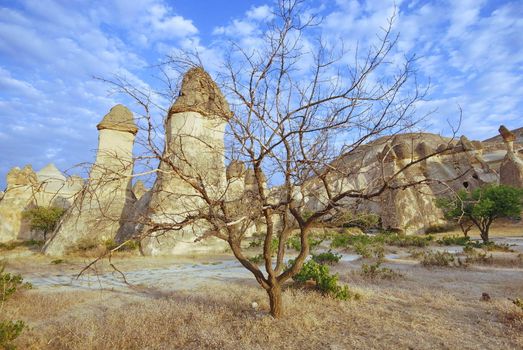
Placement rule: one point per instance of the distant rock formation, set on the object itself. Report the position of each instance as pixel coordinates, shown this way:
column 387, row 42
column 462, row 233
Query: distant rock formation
column 410, row 210
column 98, row 210
column 26, row 189
column 511, row 169
column 195, row 130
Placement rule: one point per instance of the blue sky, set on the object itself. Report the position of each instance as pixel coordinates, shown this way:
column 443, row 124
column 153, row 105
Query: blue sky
column 471, row 50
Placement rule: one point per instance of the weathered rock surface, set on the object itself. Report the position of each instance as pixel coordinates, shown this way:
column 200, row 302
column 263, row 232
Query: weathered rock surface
column 26, row 189
column 100, row 207
column 195, row 145
column 409, row 210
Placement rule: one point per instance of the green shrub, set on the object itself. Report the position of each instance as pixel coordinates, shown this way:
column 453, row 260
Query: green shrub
column 256, row 243
column 490, row 246
column 454, row 240
column 437, row 259
column 400, row 240
column 325, row 282
column 9, row 284
column 328, row 258
column 364, row 221
column 375, row 271
column 129, row 245
column 57, row 261
column 345, row 241
column 294, row 242
column 9, row 331
column 394, row 239
column 257, row 259
column 44, row 219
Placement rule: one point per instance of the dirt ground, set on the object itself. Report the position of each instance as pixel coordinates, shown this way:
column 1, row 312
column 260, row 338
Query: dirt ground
column 206, row 303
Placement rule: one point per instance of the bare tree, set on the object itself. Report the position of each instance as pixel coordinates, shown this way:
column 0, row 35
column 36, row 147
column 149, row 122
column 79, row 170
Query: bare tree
column 301, row 132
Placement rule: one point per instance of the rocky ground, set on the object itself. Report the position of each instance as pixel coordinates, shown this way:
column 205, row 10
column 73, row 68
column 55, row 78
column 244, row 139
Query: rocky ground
column 196, row 302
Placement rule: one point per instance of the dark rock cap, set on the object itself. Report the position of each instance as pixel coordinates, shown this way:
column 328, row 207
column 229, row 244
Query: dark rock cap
column 199, row 93
column 507, row 135
column 119, row 118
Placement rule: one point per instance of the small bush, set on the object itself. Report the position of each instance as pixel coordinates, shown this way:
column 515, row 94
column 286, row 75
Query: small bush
column 477, row 256
column 518, row 302
column 257, row 259
column 9, row 284
column 454, row 240
column 364, row 221
column 325, row 282
column 57, row 261
column 490, row 246
column 328, row 258
column 9, row 331
column 394, row 239
column 400, row 240
column 129, row 245
column 86, row 243
column 294, row 242
column 438, row 228
column 375, row 271
column 15, row 244
column 437, row 259
column 256, row 243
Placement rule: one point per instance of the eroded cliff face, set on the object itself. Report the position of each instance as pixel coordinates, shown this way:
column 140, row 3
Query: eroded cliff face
column 98, row 210
column 411, row 210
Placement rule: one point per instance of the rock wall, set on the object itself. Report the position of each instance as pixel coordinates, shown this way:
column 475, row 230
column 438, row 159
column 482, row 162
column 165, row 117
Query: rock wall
column 98, row 210
column 410, row 210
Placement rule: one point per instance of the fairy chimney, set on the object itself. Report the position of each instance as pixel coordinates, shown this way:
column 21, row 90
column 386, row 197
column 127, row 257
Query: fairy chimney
column 97, row 211
column 195, row 129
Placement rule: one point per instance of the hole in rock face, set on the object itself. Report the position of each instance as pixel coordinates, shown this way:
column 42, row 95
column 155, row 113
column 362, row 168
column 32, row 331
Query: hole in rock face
column 466, row 184
column 475, row 176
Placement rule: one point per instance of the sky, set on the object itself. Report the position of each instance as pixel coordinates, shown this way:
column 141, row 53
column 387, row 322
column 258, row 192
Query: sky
column 471, row 51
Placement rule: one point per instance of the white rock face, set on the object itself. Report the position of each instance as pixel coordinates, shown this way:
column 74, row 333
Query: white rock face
column 19, row 195
column 195, row 145
column 26, row 189
column 96, row 213
column 55, row 189
column 410, row 210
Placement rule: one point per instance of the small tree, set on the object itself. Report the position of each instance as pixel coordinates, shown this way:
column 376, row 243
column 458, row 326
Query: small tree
column 297, row 126
column 484, row 205
column 44, row 218
column 453, row 211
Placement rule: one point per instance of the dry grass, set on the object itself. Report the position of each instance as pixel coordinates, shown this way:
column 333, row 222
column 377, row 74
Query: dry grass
column 393, row 314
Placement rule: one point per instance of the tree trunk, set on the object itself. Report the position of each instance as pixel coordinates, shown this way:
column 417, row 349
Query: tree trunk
column 275, row 299
column 484, row 235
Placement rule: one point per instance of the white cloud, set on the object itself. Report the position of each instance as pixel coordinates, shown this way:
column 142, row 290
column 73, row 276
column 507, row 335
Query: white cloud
column 260, row 13
column 165, row 26
column 12, row 86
